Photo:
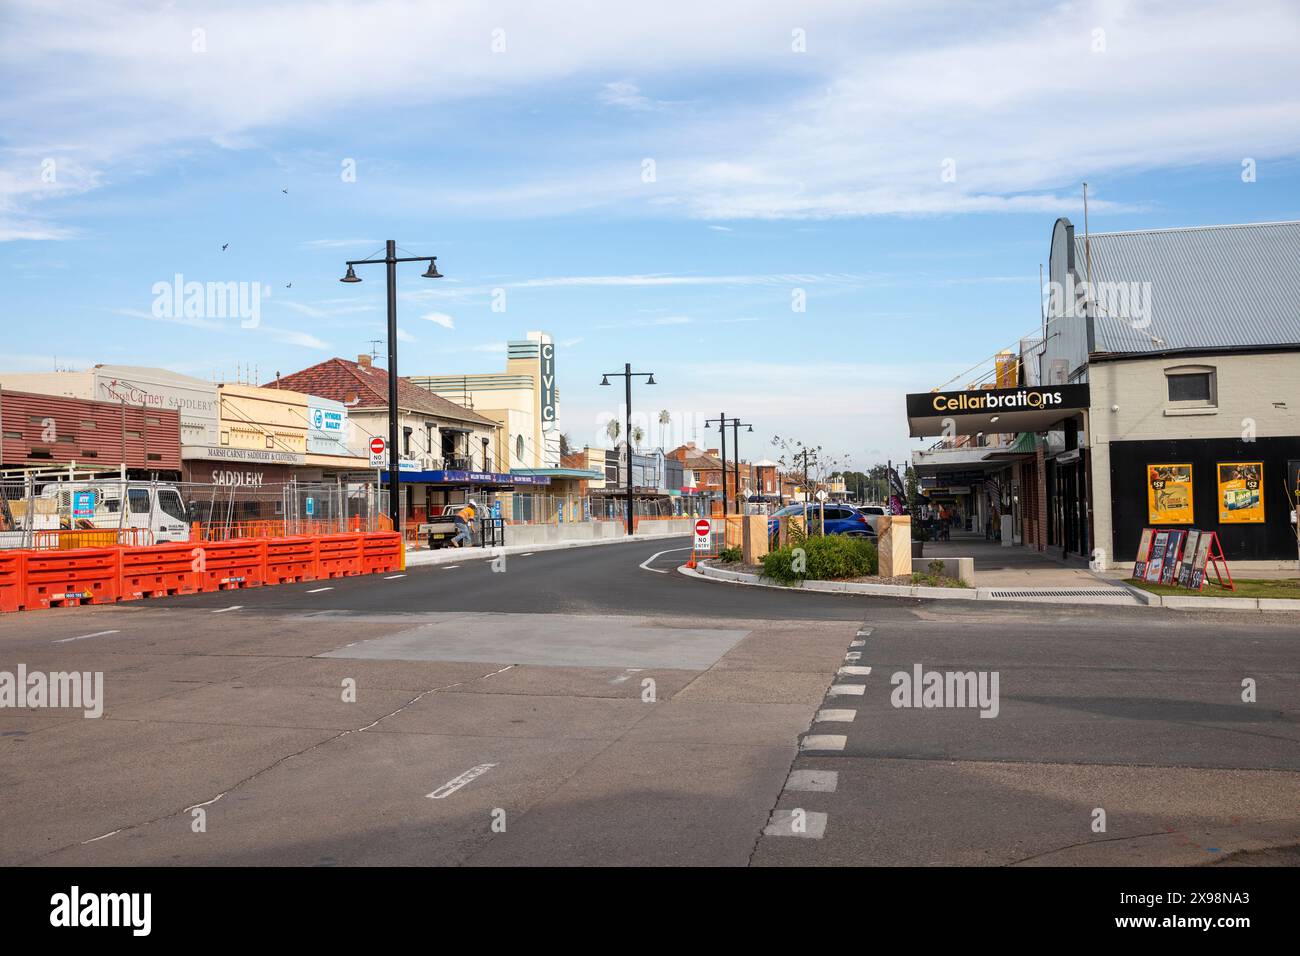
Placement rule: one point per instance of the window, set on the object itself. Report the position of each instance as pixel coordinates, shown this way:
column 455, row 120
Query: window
column 170, row 502
column 1189, row 388
column 137, row 500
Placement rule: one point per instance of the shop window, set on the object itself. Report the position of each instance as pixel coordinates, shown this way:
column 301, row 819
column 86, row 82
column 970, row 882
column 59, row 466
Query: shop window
column 1191, row 387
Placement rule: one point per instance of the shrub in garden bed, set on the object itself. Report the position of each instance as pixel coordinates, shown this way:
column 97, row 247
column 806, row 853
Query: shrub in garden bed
column 832, row 558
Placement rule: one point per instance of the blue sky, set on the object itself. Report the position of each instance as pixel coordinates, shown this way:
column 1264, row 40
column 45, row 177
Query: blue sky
column 792, row 149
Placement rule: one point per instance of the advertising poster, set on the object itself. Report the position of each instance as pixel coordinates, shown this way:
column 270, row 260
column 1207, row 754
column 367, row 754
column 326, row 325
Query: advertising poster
column 1200, row 559
column 1169, row 494
column 1144, row 549
column 1156, row 563
column 1189, row 556
column 1241, row 492
column 1173, row 550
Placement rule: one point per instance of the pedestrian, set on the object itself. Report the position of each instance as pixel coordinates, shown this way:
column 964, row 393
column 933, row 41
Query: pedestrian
column 464, row 519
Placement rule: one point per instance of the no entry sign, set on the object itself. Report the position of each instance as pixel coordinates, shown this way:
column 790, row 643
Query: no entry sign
column 703, row 534
column 377, row 448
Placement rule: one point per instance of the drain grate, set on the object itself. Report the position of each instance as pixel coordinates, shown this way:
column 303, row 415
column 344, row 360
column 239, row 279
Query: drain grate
column 1082, row 592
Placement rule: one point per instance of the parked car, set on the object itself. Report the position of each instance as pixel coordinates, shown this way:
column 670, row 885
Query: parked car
column 840, row 519
column 872, row 512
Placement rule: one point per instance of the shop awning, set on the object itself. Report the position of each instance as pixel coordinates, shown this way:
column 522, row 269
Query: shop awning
column 465, row 478
column 1031, row 408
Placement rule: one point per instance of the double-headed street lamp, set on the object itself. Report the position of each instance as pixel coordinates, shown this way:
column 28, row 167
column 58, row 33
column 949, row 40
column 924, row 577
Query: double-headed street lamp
column 394, row 458
column 723, row 423
column 627, row 374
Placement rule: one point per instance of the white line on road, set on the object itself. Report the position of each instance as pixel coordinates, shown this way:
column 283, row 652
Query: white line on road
column 394, row 577
column 455, row 783
column 64, row 640
column 630, row 672
column 223, row 610
column 318, row 590
column 854, row 671
column 819, row 781
column 451, row 567
column 528, row 554
column 856, row 643
column 98, row 838
column 848, row 689
column 865, row 632
column 647, row 561
column 853, row 655
column 823, row 742
column 830, row 715
column 796, row 823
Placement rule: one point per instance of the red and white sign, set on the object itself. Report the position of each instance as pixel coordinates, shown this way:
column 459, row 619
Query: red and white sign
column 703, row 534
column 378, row 458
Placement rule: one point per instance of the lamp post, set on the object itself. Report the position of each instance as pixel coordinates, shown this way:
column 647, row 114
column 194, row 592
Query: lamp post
column 391, row 260
column 723, row 423
column 627, row 374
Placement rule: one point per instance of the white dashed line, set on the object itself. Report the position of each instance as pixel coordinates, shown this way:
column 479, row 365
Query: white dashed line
column 796, row 823
column 630, row 672
column 223, row 610
column 528, row 554
column 318, row 590
column 394, row 577
column 451, row 567
column 857, row 643
column 98, row 838
column 65, row 640
column 865, row 632
column 848, row 689
column 455, row 783
column 822, row 742
column 854, row 671
column 853, row 656
column 831, row 715
column 817, row 781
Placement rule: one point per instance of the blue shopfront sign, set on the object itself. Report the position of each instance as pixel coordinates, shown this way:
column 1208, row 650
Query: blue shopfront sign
column 83, row 504
column 469, row 478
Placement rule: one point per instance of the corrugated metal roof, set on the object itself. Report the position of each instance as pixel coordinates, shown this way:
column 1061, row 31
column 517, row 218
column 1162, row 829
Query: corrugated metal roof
column 1211, row 287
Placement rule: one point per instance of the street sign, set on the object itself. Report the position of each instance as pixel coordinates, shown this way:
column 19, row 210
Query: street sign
column 311, row 507
column 377, row 457
column 703, row 534
column 821, row 494
column 748, row 494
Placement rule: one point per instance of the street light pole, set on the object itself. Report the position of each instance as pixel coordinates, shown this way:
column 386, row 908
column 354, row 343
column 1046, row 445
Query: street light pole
column 390, row 262
column 735, row 451
column 628, row 375
column 723, row 422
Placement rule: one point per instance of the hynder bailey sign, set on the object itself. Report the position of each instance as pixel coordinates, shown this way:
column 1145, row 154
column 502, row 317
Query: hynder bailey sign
column 1029, row 408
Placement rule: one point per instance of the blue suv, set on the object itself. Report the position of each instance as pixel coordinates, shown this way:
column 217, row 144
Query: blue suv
column 840, row 519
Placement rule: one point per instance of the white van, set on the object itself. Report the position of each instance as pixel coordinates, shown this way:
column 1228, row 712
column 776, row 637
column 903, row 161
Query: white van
column 155, row 509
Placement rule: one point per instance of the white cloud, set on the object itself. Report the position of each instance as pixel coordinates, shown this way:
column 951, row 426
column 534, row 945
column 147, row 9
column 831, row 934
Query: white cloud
column 626, row 94
column 440, row 318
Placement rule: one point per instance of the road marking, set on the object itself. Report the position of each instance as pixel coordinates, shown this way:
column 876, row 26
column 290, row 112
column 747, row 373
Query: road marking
column 826, row 715
column 528, row 554
column 223, row 610
column 394, row 577
column 818, row 781
column 98, row 838
column 630, row 672
column 318, row 590
column 865, row 632
column 822, row 742
column 813, row 825
column 647, row 561
column 850, row 671
column 857, row 643
column 455, row 783
column 451, row 567
column 853, row 656
column 849, row 689
column 64, row 640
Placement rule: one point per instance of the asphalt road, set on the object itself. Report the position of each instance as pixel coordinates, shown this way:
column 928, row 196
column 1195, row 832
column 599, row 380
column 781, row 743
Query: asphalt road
column 578, row 707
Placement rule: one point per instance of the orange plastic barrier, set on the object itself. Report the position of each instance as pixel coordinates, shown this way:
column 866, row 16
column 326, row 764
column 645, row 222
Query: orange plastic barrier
column 158, row 571
column 12, row 567
column 338, row 555
column 291, row 559
column 65, row 539
column 39, row 579
column 71, row 578
column 226, row 565
column 381, row 552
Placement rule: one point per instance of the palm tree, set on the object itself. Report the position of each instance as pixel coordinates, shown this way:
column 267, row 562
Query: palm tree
column 613, row 430
column 664, row 419
column 637, row 435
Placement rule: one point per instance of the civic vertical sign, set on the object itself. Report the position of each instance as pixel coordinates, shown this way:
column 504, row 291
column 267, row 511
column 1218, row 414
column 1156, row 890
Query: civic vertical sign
column 548, row 384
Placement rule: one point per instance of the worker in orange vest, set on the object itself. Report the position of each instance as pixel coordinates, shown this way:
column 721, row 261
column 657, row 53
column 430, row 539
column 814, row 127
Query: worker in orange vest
column 464, row 519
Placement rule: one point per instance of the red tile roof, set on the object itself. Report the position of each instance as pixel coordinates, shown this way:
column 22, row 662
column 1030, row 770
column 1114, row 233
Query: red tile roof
column 359, row 386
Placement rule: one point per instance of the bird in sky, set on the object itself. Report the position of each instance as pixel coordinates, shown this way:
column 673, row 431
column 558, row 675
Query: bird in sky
column 285, row 191
column 223, row 247
column 289, row 286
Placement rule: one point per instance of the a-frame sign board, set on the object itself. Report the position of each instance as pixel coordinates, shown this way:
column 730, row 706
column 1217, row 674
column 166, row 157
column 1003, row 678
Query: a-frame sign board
column 1209, row 553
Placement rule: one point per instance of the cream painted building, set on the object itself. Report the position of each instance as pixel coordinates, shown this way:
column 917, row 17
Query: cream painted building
column 523, row 400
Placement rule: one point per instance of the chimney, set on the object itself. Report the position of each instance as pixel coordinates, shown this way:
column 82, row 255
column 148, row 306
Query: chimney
column 363, row 361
